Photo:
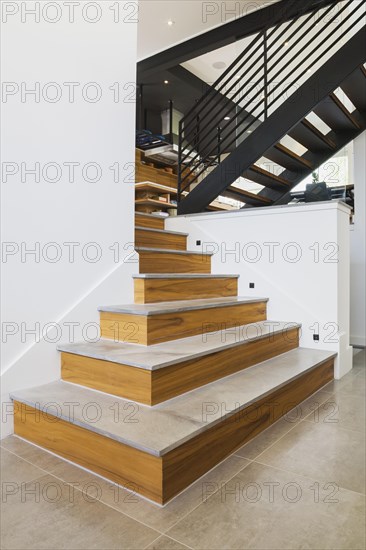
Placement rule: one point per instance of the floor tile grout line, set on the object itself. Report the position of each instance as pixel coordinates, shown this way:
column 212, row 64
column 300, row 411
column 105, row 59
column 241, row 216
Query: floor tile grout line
column 124, row 513
column 207, row 499
column 279, row 420
column 106, row 504
column 277, row 440
column 308, row 478
column 336, row 423
column 28, row 462
column 80, row 490
column 163, row 535
column 295, row 425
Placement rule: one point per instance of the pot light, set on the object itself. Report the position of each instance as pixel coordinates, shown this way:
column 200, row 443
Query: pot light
column 219, row 65
column 226, row 118
column 171, row 23
column 286, row 44
column 166, row 81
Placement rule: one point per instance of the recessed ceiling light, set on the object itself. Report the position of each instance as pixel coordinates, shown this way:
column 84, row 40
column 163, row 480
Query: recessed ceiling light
column 249, row 131
column 309, row 70
column 286, row 44
column 227, row 118
column 219, row 65
column 166, row 81
column 171, row 22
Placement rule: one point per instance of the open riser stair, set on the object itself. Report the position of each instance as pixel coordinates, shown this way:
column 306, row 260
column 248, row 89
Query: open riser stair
column 281, row 135
column 180, row 379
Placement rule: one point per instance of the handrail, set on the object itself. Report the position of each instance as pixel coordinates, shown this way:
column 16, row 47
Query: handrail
column 201, row 135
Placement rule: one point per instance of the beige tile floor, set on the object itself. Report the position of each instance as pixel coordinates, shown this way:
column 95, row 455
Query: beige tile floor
column 298, row 485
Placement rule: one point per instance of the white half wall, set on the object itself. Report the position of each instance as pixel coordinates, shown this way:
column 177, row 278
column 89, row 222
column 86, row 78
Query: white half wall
column 67, row 204
column 358, row 245
column 297, row 256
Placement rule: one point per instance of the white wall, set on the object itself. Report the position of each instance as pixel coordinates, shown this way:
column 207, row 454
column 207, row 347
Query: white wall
column 358, row 246
column 304, row 283
column 37, row 291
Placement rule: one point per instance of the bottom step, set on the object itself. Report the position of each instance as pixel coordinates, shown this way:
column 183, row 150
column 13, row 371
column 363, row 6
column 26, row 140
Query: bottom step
column 159, row 452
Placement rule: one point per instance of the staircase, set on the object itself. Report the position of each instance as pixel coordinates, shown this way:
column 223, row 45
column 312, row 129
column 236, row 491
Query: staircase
column 322, row 56
column 178, row 381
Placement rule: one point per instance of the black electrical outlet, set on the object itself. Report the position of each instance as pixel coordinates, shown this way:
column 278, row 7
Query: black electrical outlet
column 316, row 337
column 198, row 243
column 251, row 285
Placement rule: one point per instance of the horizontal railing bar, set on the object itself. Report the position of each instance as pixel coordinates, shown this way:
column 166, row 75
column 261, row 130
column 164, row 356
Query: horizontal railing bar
column 305, row 70
column 211, row 161
column 288, row 51
column 213, row 88
column 255, row 73
column 295, row 2
column 214, row 85
column 305, row 33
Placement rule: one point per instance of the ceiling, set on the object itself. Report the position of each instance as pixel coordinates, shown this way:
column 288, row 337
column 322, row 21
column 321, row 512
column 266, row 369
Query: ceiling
column 190, row 17
column 210, row 66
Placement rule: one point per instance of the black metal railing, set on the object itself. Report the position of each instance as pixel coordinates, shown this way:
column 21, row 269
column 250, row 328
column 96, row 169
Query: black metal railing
column 275, row 61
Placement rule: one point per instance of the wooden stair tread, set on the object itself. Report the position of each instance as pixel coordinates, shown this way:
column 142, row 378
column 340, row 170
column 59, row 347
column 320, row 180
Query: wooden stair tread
column 264, row 172
column 174, row 352
column 293, row 155
column 179, row 306
column 246, row 196
column 310, row 137
column 335, row 114
column 162, row 231
column 168, row 425
column 150, row 185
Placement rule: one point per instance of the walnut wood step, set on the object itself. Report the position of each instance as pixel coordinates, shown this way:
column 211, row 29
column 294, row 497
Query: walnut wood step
column 149, row 221
column 160, row 238
column 310, row 137
column 160, row 451
column 153, row 260
column 152, row 288
column 153, row 375
column 267, row 179
column 245, row 196
column 287, row 158
column 355, row 88
column 336, row 115
column 153, row 323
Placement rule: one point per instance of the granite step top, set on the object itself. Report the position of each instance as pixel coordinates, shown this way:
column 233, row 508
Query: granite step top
column 171, row 251
column 170, row 353
column 184, row 276
column 163, row 231
column 181, row 305
column 164, row 427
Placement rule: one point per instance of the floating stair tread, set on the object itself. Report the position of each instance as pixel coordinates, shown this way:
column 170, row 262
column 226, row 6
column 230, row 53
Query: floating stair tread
column 184, row 276
column 170, row 251
column 180, row 305
column 163, row 231
column 163, row 355
column 310, row 137
column 246, row 196
column 168, row 425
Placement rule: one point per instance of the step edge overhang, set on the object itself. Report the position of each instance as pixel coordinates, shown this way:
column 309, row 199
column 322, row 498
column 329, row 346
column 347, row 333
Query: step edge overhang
column 277, row 328
column 180, row 306
column 158, row 408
